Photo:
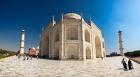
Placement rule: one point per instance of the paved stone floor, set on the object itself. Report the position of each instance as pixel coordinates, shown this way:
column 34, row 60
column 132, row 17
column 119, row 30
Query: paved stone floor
column 109, row 67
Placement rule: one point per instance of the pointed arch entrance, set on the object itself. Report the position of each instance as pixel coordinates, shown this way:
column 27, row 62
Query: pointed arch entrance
column 46, row 47
column 88, row 53
column 56, row 54
column 72, row 34
column 87, row 36
column 98, row 47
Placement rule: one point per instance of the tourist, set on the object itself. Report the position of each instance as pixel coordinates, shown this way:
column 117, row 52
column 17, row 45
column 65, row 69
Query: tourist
column 124, row 64
column 27, row 56
column 31, row 57
column 18, row 54
column 24, row 56
column 130, row 65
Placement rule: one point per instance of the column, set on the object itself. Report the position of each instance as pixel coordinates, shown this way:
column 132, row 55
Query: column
column 61, row 55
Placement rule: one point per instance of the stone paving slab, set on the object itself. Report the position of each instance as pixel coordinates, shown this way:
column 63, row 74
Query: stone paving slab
column 109, row 67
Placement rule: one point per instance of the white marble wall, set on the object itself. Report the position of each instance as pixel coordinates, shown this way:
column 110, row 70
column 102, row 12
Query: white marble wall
column 75, row 48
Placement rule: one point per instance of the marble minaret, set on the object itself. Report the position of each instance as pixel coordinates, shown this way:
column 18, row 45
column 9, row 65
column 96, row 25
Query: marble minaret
column 22, row 42
column 120, row 43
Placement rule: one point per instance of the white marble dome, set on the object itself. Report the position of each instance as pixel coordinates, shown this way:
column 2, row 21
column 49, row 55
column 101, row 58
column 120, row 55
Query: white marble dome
column 72, row 15
column 33, row 48
column 37, row 47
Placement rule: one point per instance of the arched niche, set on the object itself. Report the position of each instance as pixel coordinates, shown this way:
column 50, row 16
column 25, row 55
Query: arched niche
column 72, row 34
column 88, row 53
column 98, row 47
column 46, row 47
column 56, row 38
column 56, row 53
column 87, row 36
column 72, row 52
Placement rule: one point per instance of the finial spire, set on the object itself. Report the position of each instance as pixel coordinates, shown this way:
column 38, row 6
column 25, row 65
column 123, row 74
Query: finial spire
column 53, row 21
column 90, row 19
column 62, row 17
column 53, row 18
column 81, row 16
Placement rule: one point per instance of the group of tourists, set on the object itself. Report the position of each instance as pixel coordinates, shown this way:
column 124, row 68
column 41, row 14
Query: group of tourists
column 31, row 53
column 25, row 56
column 127, row 66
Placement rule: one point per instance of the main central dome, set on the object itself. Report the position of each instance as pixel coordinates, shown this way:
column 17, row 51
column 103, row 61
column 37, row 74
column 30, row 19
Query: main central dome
column 72, row 15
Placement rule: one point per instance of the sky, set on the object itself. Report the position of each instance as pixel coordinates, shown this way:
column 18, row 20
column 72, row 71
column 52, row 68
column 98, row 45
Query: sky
column 32, row 15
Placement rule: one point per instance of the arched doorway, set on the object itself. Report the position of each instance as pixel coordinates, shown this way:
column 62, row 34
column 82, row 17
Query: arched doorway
column 56, row 53
column 72, row 52
column 72, row 34
column 98, row 47
column 56, row 38
column 88, row 53
column 46, row 47
column 87, row 36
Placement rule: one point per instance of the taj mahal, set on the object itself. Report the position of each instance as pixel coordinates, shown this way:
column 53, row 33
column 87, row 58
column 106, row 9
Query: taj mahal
column 72, row 38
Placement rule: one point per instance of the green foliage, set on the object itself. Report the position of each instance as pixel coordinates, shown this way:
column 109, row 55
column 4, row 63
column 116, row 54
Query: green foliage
column 3, row 51
column 2, row 56
column 135, row 53
column 6, row 53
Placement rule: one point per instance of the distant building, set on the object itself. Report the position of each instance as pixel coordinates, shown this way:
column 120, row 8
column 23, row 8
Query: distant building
column 72, row 38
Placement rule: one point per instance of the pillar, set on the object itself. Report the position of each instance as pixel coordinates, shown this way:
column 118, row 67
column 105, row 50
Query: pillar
column 83, row 38
column 61, row 54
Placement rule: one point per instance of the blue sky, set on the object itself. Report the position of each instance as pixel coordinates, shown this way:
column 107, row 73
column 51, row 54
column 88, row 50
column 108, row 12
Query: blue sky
column 32, row 15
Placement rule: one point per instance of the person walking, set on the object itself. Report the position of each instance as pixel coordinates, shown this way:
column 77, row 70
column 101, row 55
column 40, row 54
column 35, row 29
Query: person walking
column 130, row 65
column 24, row 56
column 124, row 64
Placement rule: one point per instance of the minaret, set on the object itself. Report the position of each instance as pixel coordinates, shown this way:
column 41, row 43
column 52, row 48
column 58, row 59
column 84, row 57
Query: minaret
column 53, row 21
column 120, row 43
column 22, row 42
column 62, row 18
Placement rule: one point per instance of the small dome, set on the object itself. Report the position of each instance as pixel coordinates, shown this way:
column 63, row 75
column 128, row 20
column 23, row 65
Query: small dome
column 22, row 30
column 33, row 47
column 72, row 15
column 37, row 47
